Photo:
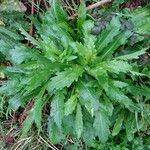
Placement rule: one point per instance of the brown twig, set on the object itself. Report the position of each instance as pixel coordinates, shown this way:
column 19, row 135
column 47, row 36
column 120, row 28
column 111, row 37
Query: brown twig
column 92, row 7
column 46, row 6
column 72, row 11
column 97, row 4
column 23, row 115
column 32, row 12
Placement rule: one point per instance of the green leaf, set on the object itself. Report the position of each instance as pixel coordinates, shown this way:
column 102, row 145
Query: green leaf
column 141, row 19
column 65, row 78
column 130, row 126
column 79, row 122
column 108, row 34
column 70, row 105
column 58, row 11
column 37, row 79
column 88, row 134
column 107, row 106
column 69, row 124
column 19, row 54
column 134, row 55
column 38, row 106
column 88, row 97
column 27, row 124
column 55, row 133
column 89, row 39
column 11, row 34
column 137, row 90
column 101, row 78
column 117, row 3
column 118, row 66
column 101, row 125
column 51, row 50
column 12, row 5
column 15, row 102
column 57, row 106
column 139, row 74
column 118, row 124
column 20, row 100
column 119, row 40
column 81, row 14
column 120, row 84
column 113, row 66
column 15, row 53
column 28, row 36
column 88, row 55
column 118, row 96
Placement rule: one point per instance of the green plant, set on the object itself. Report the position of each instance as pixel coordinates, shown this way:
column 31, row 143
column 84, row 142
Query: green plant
column 92, row 92
column 11, row 5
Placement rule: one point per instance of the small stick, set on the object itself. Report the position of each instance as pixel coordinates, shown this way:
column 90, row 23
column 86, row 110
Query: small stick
column 92, row 7
column 97, row 4
column 32, row 12
column 45, row 3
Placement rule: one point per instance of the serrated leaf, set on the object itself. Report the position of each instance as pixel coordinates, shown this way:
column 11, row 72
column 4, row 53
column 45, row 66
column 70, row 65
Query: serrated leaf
column 15, row 53
column 19, row 54
column 102, row 79
column 118, row 96
column 81, row 14
column 134, row 55
column 118, row 124
column 101, row 125
column 141, row 19
column 89, row 39
column 70, row 105
column 58, row 11
column 130, row 127
column 119, row 40
column 55, row 133
column 120, row 84
column 88, row 55
column 11, row 34
column 9, row 87
column 51, row 50
column 118, row 66
column 139, row 74
column 137, row 90
column 60, row 32
column 108, row 34
column 107, row 106
column 57, row 106
column 38, row 106
column 27, row 124
column 20, row 100
column 65, row 78
column 69, row 124
column 88, row 97
column 37, row 79
column 15, row 102
column 88, row 134
column 113, row 66
column 28, row 36
column 79, row 122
